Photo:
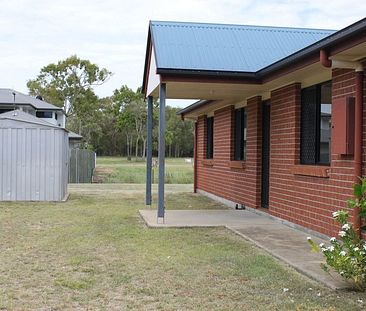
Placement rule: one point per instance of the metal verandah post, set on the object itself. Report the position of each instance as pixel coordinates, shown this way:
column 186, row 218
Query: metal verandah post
column 149, row 149
column 161, row 185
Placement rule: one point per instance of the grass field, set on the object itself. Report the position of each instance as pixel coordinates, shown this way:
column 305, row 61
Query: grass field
column 93, row 252
column 119, row 170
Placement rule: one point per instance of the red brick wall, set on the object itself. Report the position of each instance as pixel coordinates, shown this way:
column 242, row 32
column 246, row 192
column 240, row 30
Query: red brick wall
column 238, row 185
column 364, row 124
column 305, row 200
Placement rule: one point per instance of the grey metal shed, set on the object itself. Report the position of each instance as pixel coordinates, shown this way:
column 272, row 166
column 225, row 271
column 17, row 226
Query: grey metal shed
column 34, row 158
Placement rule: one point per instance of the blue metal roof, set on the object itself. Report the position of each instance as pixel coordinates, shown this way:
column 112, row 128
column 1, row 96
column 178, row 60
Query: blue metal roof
column 219, row 47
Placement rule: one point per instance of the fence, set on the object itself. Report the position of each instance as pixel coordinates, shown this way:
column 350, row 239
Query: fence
column 82, row 165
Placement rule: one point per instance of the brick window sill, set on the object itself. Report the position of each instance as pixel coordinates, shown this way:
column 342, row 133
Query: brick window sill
column 311, row 170
column 237, row 164
column 208, row 162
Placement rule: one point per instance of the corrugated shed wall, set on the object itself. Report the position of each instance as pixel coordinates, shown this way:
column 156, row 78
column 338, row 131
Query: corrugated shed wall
column 33, row 162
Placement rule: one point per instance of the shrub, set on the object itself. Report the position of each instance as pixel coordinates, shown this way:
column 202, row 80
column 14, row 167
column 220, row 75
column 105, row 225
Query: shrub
column 359, row 200
column 347, row 255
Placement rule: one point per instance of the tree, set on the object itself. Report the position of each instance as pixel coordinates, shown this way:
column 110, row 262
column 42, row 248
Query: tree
column 67, row 81
column 132, row 117
column 69, row 84
column 112, row 125
column 180, row 137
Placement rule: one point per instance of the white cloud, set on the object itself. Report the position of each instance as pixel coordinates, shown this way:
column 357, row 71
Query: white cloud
column 112, row 33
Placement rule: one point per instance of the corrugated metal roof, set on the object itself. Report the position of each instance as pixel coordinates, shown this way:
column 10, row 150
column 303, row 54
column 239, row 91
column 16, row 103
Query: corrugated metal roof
column 22, row 116
column 7, row 98
column 219, row 47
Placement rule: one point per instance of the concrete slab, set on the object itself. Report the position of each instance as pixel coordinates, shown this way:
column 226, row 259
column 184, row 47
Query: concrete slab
column 283, row 242
column 202, row 218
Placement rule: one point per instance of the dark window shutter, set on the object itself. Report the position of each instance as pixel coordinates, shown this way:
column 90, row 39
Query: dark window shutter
column 237, row 135
column 308, row 143
column 244, row 151
column 209, row 145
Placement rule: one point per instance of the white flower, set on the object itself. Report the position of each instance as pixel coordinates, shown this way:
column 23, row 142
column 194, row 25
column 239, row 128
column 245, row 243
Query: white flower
column 285, row 290
column 335, row 214
column 308, row 238
column 342, row 233
column 346, row 227
column 360, row 301
column 331, row 248
column 324, row 249
column 342, row 253
column 341, row 273
column 333, row 239
column 321, row 245
column 356, row 249
column 319, row 294
column 364, row 247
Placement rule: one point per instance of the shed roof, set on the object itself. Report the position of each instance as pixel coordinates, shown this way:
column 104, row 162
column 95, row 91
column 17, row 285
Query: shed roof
column 7, row 98
column 231, row 48
column 74, row 136
column 21, row 116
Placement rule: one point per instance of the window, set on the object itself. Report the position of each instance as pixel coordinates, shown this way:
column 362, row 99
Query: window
column 240, row 134
column 209, row 138
column 44, row 114
column 316, row 112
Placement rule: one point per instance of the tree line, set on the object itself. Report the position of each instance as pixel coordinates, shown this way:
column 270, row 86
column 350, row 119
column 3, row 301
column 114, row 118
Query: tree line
column 114, row 125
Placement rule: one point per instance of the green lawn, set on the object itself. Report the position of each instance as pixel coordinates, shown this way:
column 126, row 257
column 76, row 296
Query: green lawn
column 93, row 252
column 119, row 170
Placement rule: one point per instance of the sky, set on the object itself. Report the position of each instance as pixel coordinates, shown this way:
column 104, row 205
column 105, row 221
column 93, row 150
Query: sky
column 113, row 33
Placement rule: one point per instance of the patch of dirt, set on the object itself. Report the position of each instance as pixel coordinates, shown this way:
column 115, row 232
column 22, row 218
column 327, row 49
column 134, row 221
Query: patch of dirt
column 101, row 174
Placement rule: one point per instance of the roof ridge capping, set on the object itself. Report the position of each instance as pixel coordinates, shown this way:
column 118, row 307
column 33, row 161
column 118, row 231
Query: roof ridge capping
column 238, row 26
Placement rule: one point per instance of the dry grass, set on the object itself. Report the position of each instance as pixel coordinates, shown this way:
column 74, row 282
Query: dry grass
column 93, row 252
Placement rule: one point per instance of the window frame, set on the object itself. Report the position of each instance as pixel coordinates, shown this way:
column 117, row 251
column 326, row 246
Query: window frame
column 317, row 109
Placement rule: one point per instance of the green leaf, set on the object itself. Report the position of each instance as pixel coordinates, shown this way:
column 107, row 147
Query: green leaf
column 351, row 203
column 357, row 190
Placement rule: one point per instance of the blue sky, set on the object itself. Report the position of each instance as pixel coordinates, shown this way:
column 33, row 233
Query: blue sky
column 112, row 33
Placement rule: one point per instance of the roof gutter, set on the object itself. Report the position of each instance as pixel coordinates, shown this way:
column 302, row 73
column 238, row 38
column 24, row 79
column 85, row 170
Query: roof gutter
column 213, row 73
column 193, row 106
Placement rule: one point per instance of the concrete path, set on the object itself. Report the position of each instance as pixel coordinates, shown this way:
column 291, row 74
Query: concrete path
column 283, row 242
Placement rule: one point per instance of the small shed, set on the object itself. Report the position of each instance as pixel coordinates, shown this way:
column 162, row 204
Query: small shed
column 34, row 158
column 75, row 140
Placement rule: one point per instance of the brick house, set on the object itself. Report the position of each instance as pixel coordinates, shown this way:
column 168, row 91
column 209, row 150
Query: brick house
column 279, row 125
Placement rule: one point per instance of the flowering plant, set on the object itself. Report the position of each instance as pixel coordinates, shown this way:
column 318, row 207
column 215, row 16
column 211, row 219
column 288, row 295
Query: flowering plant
column 347, row 256
column 359, row 200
